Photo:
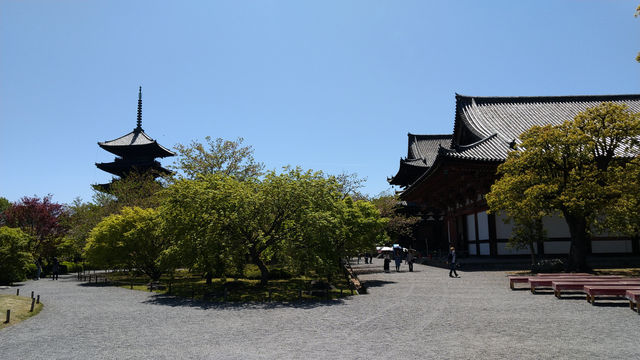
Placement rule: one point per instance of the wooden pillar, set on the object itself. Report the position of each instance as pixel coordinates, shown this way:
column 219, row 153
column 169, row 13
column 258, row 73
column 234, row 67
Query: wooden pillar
column 493, row 237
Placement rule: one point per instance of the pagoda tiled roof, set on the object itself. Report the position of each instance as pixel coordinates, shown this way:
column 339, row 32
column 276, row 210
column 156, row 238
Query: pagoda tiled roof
column 121, row 167
column 136, row 143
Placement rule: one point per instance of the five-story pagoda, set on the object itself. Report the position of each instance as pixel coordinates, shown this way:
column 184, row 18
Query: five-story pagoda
column 135, row 152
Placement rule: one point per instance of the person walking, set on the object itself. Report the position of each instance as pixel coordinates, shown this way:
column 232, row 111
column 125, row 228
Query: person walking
column 55, row 269
column 397, row 255
column 451, row 259
column 38, row 268
column 387, row 261
column 410, row 260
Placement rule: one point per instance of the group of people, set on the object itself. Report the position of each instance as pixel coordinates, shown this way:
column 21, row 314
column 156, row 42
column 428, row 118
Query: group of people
column 398, row 254
column 55, row 268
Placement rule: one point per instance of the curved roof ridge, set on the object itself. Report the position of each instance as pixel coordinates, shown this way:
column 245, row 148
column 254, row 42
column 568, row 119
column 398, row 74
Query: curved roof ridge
column 550, row 98
column 470, row 146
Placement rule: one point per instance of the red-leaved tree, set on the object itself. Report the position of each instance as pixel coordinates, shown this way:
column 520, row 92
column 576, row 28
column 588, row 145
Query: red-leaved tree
column 41, row 219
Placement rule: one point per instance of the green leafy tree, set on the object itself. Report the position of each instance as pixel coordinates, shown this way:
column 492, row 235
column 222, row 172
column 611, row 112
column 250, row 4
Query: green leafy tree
column 574, row 168
column 217, row 156
column 197, row 214
column 14, row 255
column 133, row 239
column 399, row 225
column 4, row 205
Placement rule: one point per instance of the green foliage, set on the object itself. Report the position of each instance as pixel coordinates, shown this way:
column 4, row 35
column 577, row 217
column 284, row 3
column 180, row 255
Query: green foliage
column 217, row 156
column 575, row 168
column 294, row 218
column 399, row 225
column 131, row 239
column 14, row 255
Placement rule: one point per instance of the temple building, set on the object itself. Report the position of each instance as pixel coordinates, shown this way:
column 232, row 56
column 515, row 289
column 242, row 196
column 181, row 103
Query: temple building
column 135, row 151
column 445, row 178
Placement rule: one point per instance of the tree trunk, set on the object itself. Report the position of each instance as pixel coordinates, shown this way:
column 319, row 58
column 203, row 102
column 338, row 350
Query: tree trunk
column 209, row 277
column 264, row 271
column 533, row 253
column 579, row 238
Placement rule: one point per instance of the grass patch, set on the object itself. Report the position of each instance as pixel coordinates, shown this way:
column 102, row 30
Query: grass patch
column 635, row 272
column 249, row 289
column 19, row 307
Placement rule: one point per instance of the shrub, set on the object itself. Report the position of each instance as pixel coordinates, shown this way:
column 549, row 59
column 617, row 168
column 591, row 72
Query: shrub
column 71, row 267
column 31, row 270
column 14, row 255
column 548, row 266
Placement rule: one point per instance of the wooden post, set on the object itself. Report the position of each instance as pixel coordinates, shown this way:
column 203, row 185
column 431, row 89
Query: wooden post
column 326, row 294
column 38, row 300
column 131, row 284
column 8, row 316
column 299, row 294
column 169, row 292
column 33, row 302
column 32, row 294
column 340, row 292
column 17, row 292
column 193, row 291
column 269, row 295
column 225, row 294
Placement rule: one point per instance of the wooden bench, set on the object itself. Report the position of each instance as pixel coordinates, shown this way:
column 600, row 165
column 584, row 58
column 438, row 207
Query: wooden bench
column 609, row 290
column 515, row 279
column 634, row 299
column 546, row 281
column 559, row 286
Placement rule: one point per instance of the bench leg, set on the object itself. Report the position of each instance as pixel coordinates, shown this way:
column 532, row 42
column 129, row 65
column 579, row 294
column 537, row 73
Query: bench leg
column 557, row 293
column 511, row 285
column 533, row 290
column 631, row 305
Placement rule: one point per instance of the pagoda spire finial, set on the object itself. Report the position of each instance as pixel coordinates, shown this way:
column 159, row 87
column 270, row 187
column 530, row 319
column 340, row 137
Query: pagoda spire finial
column 139, row 123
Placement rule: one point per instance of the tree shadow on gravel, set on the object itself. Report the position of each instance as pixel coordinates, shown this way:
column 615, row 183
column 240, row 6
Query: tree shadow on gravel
column 376, row 283
column 173, row 301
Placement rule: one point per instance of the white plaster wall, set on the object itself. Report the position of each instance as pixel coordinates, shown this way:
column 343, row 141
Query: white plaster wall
column 611, row 246
column 471, row 228
column 556, row 227
column 484, row 249
column 504, row 250
column 503, row 231
column 557, row 247
column 472, row 248
column 483, row 226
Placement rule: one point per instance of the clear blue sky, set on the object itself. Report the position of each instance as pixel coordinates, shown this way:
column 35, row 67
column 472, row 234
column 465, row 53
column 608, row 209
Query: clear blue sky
column 326, row 85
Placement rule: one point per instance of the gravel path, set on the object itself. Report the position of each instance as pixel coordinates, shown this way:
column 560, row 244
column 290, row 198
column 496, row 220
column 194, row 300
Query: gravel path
column 424, row 314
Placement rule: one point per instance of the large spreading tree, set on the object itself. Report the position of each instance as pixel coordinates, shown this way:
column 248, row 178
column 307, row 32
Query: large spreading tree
column 577, row 169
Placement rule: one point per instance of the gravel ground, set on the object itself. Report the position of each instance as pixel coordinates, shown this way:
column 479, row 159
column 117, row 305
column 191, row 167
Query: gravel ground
column 424, row 314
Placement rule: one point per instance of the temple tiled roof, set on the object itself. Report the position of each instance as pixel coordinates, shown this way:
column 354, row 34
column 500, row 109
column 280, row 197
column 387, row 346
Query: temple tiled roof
column 425, row 147
column 487, row 128
column 491, row 148
column 422, row 152
column 480, row 117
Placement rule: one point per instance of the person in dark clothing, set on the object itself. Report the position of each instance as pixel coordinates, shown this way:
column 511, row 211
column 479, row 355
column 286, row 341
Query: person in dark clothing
column 410, row 258
column 387, row 261
column 452, row 262
column 55, row 269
